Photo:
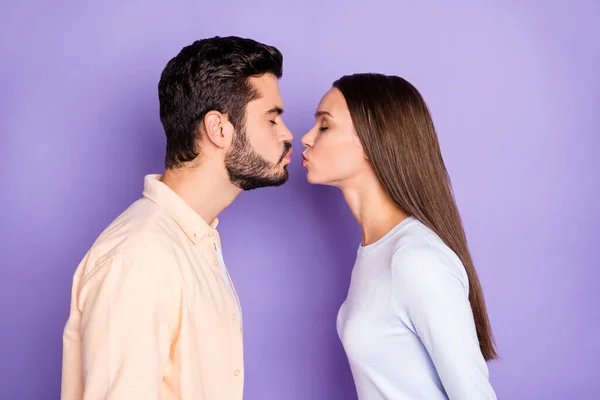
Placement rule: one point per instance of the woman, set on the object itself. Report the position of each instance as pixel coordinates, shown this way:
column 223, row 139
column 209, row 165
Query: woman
column 414, row 324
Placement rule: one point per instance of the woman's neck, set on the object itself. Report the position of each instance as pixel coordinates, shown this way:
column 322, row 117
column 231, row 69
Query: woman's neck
column 373, row 208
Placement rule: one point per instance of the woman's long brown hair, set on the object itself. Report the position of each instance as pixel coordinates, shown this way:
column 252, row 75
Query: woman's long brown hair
column 396, row 130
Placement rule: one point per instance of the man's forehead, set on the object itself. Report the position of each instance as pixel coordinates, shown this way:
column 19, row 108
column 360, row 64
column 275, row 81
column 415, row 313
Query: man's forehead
column 267, row 88
column 266, row 85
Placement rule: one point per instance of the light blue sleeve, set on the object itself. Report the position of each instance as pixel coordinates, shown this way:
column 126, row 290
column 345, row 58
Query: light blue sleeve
column 430, row 295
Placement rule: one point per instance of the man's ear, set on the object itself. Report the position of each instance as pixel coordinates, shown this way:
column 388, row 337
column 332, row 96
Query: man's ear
column 216, row 128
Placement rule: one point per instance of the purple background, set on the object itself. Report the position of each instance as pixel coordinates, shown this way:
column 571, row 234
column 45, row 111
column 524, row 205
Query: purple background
column 514, row 89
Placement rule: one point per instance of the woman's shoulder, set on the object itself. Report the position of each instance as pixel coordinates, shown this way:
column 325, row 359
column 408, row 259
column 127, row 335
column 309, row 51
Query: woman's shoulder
column 422, row 256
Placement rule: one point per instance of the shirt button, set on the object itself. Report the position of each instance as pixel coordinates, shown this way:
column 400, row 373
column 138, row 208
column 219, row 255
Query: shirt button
column 215, row 263
column 210, row 233
column 233, row 317
column 236, row 372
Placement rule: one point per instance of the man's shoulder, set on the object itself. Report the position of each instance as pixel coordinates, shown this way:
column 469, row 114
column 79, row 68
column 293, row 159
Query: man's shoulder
column 143, row 220
column 141, row 233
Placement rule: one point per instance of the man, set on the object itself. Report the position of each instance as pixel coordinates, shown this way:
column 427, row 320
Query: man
column 154, row 314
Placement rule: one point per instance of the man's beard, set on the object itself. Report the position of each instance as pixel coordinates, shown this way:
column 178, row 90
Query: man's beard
column 248, row 170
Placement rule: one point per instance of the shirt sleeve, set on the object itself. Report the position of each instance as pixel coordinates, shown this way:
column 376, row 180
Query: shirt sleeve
column 128, row 308
column 431, row 297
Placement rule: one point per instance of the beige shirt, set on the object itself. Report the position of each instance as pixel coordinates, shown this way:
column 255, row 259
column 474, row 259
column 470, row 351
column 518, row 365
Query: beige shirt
column 151, row 316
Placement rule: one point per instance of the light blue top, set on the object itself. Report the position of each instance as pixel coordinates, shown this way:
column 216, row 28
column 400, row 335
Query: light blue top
column 225, row 277
column 407, row 326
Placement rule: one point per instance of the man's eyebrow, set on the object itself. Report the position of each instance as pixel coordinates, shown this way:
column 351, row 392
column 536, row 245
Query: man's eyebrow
column 275, row 110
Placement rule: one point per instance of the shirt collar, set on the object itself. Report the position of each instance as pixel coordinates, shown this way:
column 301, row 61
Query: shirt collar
column 192, row 224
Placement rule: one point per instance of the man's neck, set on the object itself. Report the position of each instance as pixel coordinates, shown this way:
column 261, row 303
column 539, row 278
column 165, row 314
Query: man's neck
column 206, row 190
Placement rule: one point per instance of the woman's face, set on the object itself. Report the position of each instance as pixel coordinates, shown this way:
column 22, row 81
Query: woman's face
column 334, row 154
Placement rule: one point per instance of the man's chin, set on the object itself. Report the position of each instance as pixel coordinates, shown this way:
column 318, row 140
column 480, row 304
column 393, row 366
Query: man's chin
column 256, row 182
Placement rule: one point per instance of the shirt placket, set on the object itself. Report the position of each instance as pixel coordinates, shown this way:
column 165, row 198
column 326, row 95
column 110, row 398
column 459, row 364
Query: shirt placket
column 214, row 238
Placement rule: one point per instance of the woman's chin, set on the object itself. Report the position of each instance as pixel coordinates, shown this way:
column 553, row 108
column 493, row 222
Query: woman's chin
column 312, row 178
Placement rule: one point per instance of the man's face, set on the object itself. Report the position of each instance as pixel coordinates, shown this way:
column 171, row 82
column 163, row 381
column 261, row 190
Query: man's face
column 261, row 149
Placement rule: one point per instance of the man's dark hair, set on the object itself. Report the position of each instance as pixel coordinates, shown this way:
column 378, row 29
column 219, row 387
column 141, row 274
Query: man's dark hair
column 210, row 74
